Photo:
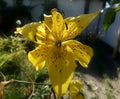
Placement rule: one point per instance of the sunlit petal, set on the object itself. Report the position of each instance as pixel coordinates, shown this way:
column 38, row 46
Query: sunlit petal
column 74, row 89
column 79, row 96
column 49, row 27
column 61, row 67
column 29, row 30
column 38, row 56
column 82, row 53
column 57, row 20
column 48, row 22
column 75, row 25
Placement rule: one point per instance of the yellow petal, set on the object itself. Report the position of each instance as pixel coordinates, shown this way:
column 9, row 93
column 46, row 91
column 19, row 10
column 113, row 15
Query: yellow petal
column 49, row 27
column 57, row 20
column 79, row 96
column 82, row 53
column 48, row 22
column 75, row 25
column 61, row 67
column 32, row 30
column 74, row 89
column 38, row 56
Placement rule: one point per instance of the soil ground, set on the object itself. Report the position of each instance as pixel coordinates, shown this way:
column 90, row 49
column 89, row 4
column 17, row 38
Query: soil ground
column 102, row 78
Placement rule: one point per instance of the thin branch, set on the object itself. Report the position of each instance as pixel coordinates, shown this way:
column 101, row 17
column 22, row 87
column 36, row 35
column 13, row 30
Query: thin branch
column 54, row 94
column 62, row 97
column 4, row 78
column 49, row 97
column 20, row 81
column 27, row 82
column 33, row 87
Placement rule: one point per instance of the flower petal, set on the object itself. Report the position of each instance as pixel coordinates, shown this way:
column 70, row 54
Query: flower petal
column 75, row 87
column 61, row 67
column 33, row 31
column 75, row 25
column 82, row 53
column 48, row 22
column 38, row 56
column 49, row 27
column 79, row 96
column 58, row 21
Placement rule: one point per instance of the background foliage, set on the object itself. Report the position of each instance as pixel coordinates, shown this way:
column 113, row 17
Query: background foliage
column 15, row 65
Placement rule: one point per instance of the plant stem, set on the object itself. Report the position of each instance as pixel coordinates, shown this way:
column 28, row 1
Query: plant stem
column 62, row 98
column 26, row 82
column 54, row 94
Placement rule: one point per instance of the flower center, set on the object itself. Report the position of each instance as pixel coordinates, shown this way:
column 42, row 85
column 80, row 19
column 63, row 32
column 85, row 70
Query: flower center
column 58, row 43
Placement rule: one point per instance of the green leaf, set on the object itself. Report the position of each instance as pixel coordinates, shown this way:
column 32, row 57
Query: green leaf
column 109, row 18
column 3, row 58
column 110, row 15
column 6, row 57
column 117, row 7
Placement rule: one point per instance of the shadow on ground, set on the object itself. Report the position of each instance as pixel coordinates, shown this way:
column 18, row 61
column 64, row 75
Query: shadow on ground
column 102, row 61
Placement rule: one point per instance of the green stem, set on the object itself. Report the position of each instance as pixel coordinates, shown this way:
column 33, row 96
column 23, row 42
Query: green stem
column 25, row 82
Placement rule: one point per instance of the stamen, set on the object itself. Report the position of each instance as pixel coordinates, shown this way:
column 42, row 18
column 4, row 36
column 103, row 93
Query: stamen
column 48, row 28
column 35, row 37
column 66, row 26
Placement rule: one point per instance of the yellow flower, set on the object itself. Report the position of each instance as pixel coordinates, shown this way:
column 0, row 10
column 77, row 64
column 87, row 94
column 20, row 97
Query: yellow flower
column 56, row 49
column 75, row 88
